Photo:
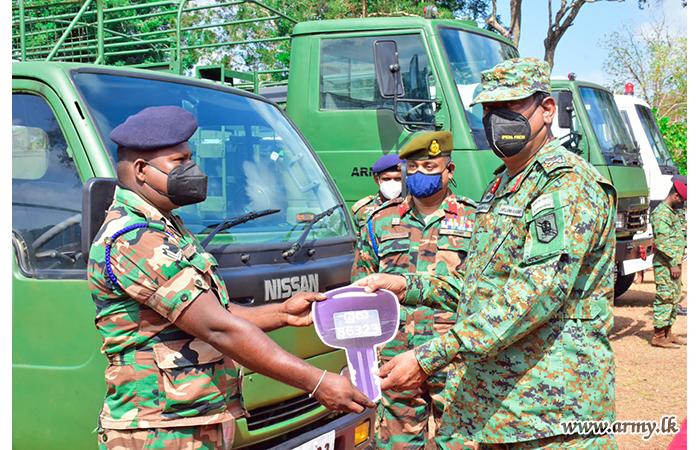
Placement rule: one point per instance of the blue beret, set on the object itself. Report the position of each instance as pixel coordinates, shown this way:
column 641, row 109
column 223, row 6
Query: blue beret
column 155, row 128
column 387, row 162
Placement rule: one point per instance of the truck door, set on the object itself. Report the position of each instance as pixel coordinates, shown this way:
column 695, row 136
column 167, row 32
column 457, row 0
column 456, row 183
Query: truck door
column 56, row 363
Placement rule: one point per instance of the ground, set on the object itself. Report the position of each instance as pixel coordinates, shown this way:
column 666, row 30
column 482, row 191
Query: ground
column 651, row 381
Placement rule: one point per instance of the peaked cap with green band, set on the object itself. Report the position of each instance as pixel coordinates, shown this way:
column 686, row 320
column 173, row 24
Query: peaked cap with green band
column 428, row 145
column 514, row 79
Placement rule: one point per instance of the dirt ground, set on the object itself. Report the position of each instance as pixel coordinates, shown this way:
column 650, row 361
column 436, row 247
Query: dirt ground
column 651, row 381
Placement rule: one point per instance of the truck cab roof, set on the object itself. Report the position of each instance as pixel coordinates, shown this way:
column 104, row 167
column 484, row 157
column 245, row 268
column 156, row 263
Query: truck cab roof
column 385, row 23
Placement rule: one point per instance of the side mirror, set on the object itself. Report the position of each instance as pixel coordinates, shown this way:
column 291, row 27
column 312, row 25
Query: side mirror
column 98, row 194
column 387, row 68
column 566, row 107
column 30, row 149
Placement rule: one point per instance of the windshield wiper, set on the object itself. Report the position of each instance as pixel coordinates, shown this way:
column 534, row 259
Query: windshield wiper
column 297, row 245
column 237, row 220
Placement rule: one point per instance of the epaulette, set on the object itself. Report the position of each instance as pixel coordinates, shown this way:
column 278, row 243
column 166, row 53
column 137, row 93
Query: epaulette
column 360, row 203
column 385, row 205
column 557, row 161
column 466, row 200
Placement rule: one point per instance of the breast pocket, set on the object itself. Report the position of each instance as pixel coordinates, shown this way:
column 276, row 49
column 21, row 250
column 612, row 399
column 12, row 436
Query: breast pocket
column 452, row 246
column 394, row 250
column 194, row 379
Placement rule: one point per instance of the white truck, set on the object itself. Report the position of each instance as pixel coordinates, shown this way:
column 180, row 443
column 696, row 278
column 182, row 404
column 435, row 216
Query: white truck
column 658, row 165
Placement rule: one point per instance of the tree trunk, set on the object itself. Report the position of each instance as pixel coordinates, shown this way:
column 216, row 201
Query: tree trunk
column 557, row 27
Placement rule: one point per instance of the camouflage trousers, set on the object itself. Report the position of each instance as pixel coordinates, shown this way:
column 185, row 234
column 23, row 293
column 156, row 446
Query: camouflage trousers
column 210, row 437
column 668, row 296
column 559, row 442
column 403, row 417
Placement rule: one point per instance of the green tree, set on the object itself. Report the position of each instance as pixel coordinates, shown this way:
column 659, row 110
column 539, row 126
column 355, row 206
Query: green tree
column 676, row 139
column 653, row 58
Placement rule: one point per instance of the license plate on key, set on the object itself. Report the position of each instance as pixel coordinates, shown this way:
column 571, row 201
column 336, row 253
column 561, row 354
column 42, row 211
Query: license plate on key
column 323, row 442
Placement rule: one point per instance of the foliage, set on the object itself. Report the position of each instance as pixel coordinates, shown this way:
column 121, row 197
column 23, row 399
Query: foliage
column 80, row 45
column 654, row 59
column 676, row 139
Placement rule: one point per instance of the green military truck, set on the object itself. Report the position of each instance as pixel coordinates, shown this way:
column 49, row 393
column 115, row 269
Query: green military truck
column 343, row 101
column 257, row 162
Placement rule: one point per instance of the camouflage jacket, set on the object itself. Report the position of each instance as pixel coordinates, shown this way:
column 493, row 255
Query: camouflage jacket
column 362, row 208
column 158, row 375
column 531, row 343
column 669, row 235
column 406, row 245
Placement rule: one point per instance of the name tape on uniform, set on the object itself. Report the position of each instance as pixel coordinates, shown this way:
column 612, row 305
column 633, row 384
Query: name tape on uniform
column 391, row 236
column 511, row 211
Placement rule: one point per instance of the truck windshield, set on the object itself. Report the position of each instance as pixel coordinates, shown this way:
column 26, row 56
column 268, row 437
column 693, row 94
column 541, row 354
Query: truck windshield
column 611, row 134
column 654, row 136
column 468, row 54
column 254, row 158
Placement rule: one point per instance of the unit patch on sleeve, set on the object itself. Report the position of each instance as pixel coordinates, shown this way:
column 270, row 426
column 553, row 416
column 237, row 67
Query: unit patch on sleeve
column 546, row 227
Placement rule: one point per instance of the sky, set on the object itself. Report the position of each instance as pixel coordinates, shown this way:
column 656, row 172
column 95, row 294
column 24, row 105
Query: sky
column 578, row 50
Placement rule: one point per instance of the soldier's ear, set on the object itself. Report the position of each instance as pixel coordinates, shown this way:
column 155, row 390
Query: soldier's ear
column 139, row 166
column 549, row 105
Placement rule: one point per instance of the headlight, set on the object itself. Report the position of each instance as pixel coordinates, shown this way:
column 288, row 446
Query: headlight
column 621, row 220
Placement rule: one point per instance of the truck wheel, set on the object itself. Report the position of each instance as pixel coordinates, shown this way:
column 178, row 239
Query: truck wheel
column 622, row 284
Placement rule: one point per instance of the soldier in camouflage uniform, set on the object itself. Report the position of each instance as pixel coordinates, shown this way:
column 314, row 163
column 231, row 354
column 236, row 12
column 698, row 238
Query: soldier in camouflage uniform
column 670, row 243
column 163, row 311
column 530, row 349
column 426, row 233
column 387, row 175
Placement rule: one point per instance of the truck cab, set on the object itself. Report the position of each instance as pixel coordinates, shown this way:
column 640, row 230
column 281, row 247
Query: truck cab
column 256, row 160
column 589, row 124
column 337, row 103
column 353, row 110
column 658, row 164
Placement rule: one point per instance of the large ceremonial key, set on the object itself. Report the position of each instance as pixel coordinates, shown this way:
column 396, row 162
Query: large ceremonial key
column 358, row 322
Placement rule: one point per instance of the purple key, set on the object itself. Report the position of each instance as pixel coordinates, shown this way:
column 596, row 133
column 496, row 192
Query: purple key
column 358, row 322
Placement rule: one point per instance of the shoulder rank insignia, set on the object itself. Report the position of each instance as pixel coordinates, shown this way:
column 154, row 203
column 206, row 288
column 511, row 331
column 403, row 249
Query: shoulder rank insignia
column 434, row 148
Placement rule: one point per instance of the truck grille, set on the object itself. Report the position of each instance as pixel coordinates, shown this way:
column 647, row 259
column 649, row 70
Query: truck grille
column 275, row 414
column 637, row 220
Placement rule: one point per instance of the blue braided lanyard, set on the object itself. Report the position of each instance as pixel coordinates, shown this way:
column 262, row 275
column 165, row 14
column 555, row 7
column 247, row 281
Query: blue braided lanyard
column 372, row 239
column 109, row 241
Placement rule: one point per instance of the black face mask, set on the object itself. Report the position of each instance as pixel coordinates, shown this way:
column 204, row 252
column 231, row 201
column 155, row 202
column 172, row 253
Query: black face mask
column 508, row 132
column 187, row 184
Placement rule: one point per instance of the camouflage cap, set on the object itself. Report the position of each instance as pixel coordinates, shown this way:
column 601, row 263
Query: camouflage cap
column 514, row 79
column 428, row 145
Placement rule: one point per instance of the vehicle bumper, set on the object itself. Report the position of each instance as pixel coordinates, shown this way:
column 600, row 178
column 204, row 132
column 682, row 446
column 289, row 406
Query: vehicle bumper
column 634, row 255
column 344, row 427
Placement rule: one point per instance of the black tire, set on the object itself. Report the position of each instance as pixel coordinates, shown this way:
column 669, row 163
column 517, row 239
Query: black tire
column 623, row 283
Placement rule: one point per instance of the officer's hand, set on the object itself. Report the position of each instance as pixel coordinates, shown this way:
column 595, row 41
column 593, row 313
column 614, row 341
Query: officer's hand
column 338, row 393
column 675, row 272
column 402, row 373
column 393, row 283
column 298, row 308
